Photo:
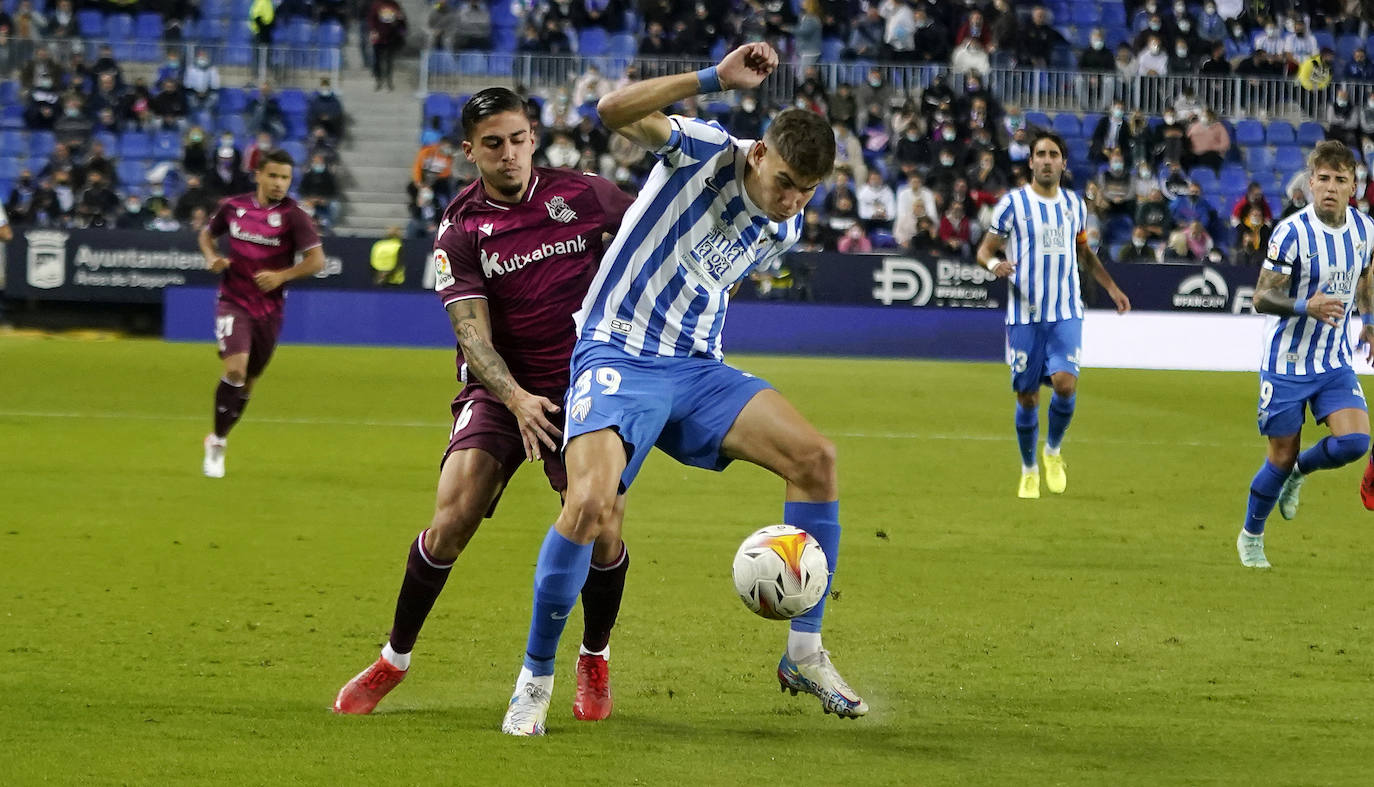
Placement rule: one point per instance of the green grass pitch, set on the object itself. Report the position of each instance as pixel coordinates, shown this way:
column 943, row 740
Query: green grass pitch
column 162, row 628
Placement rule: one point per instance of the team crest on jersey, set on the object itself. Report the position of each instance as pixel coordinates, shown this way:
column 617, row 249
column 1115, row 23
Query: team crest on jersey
column 274, row 219
column 443, row 272
column 240, row 211
column 559, row 210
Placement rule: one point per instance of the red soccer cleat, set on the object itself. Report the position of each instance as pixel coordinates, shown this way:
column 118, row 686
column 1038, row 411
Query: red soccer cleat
column 593, row 699
column 361, row 695
column 1367, row 485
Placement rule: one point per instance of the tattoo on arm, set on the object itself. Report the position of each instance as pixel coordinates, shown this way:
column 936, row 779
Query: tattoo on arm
column 472, row 325
column 1271, row 294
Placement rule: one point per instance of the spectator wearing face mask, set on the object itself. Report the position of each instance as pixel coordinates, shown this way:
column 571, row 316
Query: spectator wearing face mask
column 1211, row 27
column 320, row 192
column 1299, row 44
column 1152, row 213
column 746, row 118
column 202, row 83
column 1152, row 60
column 1359, row 68
column 1252, row 239
column 132, row 217
column 1238, row 43
column 854, row 241
column 1112, row 132
column 1253, row 198
column 1143, row 182
column 1116, row 187
column 326, row 111
column 1096, row 57
column 1269, row 38
column 1208, row 142
column 877, row 204
column 424, row 214
column 1297, row 200
column 1342, row 119
column 1139, row 249
column 196, row 155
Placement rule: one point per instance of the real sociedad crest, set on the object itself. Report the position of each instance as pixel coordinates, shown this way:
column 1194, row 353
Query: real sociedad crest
column 47, row 268
column 559, row 210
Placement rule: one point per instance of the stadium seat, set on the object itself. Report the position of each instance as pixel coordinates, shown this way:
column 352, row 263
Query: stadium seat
column 14, row 144
column 1038, row 119
column 91, row 23
column 504, row 39
column 211, row 30
column 503, row 65
column 1067, row 126
column 131, row 172
column 437, row 105
column 233, row 124
column 472, row 63
column 1281, row 132
column 1259, row 159
column 1289, row 159
column 297, row 151
column 1325, row 39
column 299, row 33
column 9, row 92
column 1249, row 132
column 1309, row 134
column 330, row 34
column 232, row 100
column 1089, row 122
column 592, row 42
column 10, row 169
column 292, row 101
column 148, row 27
column 119, row 27
column 1346, row 46
column 1087, row 15
column 135, row 145
column 1078, row 148
column 41, row 143
column 832, row 50
column 214, row 9
column 107, row 140
column 1234, row 178
column 443, row 63
column 239, row 55
column 1114, row 16
column 1204, row 177
column 238, row 9
column 166, row 145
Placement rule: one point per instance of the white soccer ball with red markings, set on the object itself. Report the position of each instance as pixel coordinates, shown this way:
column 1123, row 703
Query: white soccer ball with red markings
column 780, row 572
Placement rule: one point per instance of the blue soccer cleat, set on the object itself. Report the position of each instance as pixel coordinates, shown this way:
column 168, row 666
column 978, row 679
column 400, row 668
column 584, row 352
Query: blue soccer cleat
column 815, row 675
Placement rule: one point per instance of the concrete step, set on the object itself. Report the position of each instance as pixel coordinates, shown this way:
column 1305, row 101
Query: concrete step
column 368, row 157
column 387, row 210
column 373, row 176
column 398, row 196
column 370, row 225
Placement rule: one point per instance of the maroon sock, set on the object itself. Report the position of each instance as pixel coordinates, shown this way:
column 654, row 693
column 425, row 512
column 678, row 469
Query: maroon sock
column 424, row 579
column 229, row 406
column 601, row 600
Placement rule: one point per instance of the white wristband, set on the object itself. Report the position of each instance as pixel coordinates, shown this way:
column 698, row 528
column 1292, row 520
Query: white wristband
column 993, row 263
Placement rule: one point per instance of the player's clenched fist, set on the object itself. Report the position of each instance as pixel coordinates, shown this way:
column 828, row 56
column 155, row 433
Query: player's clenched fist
column 747, row 66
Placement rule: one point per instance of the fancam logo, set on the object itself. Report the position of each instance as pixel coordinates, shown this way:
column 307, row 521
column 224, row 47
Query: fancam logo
column 903, row 279
column 1204, row 290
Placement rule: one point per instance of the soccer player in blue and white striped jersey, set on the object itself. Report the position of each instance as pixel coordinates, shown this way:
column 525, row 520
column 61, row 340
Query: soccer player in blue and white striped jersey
column 1041, row 226
column 1316, row 271
column 647, row 368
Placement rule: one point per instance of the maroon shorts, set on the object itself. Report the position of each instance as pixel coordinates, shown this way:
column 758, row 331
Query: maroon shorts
column 237, row 333
column 481, row 421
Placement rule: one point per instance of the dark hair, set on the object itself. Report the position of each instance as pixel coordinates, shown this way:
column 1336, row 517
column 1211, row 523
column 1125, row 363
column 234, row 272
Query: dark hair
column 487, row 102
column 1331, row 154
column 1058, row 141
column 275, row 156
column 804, row 141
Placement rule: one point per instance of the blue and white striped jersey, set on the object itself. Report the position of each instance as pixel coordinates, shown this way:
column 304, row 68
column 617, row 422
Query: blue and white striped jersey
column 1042, row 241
column 664, row 283
column 1318, row 259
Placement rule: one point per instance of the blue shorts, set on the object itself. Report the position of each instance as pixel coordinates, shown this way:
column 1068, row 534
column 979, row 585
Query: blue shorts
column 1284, row 399
column 684, row 406
column 1040, row 349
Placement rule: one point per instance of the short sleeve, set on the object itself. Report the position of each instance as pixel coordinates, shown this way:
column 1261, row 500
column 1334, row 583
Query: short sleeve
column 692, row 140
column 1283, row 250
column 1002, row 216
column 457, row 268
column 787, row 237
column 611, row 200
column 303, row 234
column 4, row 218
column 219, row 223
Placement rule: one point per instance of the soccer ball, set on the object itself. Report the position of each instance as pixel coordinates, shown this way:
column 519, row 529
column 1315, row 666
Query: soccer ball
column 780, row 572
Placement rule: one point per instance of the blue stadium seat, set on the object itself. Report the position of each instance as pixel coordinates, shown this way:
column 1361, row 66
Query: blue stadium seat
column 330, row 34
column 240, row 55
column 211, row 30
column 1309, row 134
column 297, row 151
column 135, row 145
column 1346, row 46
column 1085, row 14
column 238, row 9
column 1204, row 177
column 214, row 9
column 299, row 33
column 90, row 23
column 1289, row 159
column 1078, row 149
column 1259, row 159
column 1325, row 39
column 505, row 39
column 1249, row 132
column 166, row 145
column 1067, row 126
column 437, row 105
column 832, row 49
column 502, row 14
column 107, row 140
column 592, row 42
column 1281, row 132
column 9, row 92
column 131, row 172
column 14, row 144
column 148, row 27
column 1038, row 119
column 443, row 63
column 1234, row 178
column 232, row 100
column 1114, row 15
column 10, row 169
column 503, row 65
column 472, row 62
column 1090, row 121
column 292, row 101
column 233, row 124
column 119, row 27
column 296, row 127
column 41, row 143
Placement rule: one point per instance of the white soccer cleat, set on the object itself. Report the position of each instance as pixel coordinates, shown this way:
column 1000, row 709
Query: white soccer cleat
column 1288, row 495
column 529, row 705
column 814, row 674
column 1251, row 549
column 213, row 465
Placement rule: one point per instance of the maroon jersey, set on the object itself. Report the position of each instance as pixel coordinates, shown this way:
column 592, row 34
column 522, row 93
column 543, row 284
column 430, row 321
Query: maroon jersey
column 532, row 261
column 260, row 238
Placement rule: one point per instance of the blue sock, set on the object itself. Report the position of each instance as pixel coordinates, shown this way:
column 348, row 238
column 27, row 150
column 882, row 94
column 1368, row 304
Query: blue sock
column 1027, row 432
column 822, row 522
column 558, row 579
column 1061, row 413
column 1332, row 452
column 1264, row 493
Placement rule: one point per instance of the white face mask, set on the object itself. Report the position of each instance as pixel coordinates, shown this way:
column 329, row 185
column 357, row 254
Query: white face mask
column 748, row 106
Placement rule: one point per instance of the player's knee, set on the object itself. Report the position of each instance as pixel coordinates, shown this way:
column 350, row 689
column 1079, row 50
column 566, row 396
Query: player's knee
column 236, row 376
column 814, row 467
column 1350, row 447
column 455, row 522
column 1065, row 388
column 585, row 510
column 1028, row 400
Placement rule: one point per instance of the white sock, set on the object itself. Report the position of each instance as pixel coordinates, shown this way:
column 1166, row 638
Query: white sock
column 801, row 644
column 1051, row 450
column 544, row 681
column 1029, row 469
column 605, row 653
column 397, row 660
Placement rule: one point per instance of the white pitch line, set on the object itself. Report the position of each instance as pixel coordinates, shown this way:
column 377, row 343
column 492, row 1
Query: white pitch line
column 984, row 438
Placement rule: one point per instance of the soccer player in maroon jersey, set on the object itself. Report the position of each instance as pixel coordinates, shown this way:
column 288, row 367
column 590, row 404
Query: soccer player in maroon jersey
column 513, row 257
column 266, row 230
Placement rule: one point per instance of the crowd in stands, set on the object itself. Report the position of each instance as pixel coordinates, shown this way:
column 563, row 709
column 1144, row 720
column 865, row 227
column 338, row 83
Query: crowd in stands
column 920, row 168
column 83, row 144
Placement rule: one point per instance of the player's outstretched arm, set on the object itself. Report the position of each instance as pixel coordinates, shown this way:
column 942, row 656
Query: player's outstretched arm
column 1271, row 297
column 636, row 110
column 216, row 261
column 1102, row 277
column 990, row 255
column 472, row 325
